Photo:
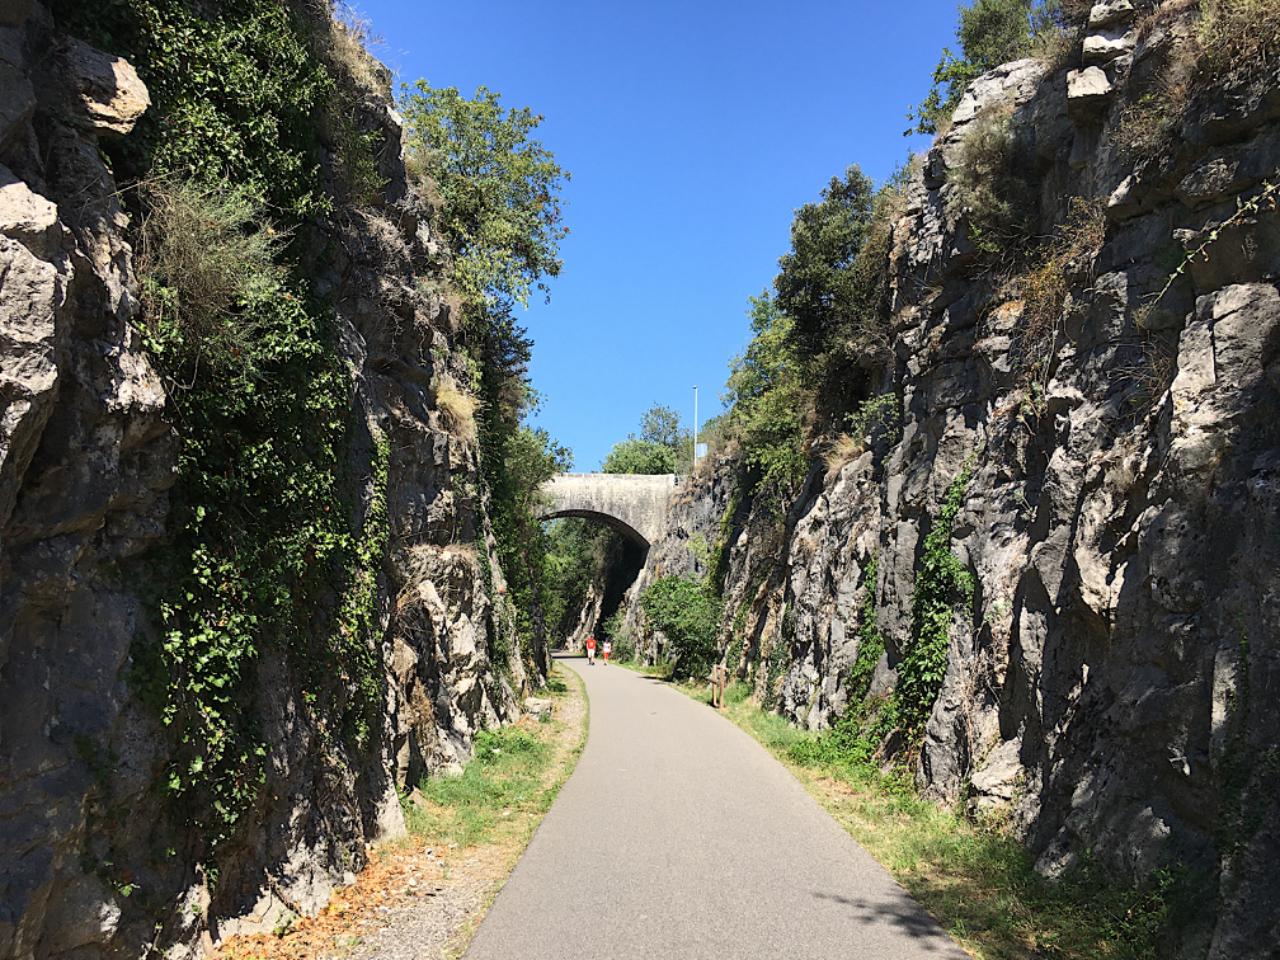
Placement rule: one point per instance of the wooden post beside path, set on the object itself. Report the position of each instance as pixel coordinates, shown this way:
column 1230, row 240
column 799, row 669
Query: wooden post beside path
column 719, row 679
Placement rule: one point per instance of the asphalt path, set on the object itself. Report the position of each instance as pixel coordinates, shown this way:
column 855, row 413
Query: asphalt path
column 680, row 836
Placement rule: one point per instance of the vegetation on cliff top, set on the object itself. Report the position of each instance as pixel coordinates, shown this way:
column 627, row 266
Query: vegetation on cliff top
column 499, row 188
column 663, row 446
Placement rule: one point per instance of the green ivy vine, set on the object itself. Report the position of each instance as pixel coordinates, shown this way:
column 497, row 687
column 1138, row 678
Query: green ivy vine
column 267, row 551
column 942, row 584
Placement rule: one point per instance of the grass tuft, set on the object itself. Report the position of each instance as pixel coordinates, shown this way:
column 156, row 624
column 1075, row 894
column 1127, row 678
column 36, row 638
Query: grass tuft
column 844, row 449
column 458, row 407
column 207, row 251
column 990, row 188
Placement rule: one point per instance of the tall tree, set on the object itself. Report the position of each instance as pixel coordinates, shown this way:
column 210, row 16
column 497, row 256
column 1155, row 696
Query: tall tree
column 501, row 216
column 769, row 400
column 500, row 186
column 816, row 286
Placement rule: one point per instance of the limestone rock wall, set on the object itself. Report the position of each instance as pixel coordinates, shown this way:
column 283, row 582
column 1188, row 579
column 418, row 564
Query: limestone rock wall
column 93, row 863
column 1113, row 686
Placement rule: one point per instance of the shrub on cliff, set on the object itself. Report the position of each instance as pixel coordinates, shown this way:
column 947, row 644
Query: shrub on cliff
column 207, row 251
column 833, row 284
column 991, row 32
column 1235, row 45
column 770, row 401
column 990, row 186
column 815, row 286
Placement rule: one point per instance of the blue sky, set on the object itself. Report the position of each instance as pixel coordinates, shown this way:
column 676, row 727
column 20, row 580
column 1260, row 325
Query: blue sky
column 692, row 132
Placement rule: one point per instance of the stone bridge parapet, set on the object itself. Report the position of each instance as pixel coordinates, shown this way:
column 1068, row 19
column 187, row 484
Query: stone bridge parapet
column 632, row 503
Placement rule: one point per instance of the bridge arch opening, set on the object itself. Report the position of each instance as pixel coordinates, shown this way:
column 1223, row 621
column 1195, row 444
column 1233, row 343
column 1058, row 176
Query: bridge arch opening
column 609, row 520
column 633, row 507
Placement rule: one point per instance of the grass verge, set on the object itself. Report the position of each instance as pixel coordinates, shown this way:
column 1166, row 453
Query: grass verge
column 657, row 671
column 465, row 834
column 975, row 879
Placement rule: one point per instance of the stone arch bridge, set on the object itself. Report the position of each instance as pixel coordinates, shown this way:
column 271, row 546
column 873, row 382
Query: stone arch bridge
column 634, row 504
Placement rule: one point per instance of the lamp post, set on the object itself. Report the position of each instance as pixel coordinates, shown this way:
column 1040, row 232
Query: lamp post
column 694, row 462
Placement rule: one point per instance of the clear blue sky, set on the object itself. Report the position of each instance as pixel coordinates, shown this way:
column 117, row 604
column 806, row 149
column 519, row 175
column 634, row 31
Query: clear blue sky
column 692, row 131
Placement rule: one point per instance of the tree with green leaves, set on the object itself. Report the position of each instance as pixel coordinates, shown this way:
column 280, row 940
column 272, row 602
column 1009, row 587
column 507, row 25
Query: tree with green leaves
column 769, row 400
column 815, row 286
column 516, row 460
column 664, row 446
column 662, row 425
column 634, row 455
column 688, row 613
column 500, row 191
column 501, row 188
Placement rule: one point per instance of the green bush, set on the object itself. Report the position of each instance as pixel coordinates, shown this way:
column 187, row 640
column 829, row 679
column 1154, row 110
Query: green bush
column 635, row 455
column 688, row 614
column 624, row 643
column 834, row 287
column 662, row 447
column 770, row 402
column 815, row 286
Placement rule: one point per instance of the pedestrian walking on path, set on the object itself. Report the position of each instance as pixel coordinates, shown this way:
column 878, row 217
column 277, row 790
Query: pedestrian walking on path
column 608, row 649
column 591, row 651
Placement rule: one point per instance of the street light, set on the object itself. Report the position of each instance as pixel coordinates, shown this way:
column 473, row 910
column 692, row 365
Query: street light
column 694, row 462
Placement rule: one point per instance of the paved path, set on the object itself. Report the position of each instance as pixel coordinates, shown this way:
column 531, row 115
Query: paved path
column 678, row 836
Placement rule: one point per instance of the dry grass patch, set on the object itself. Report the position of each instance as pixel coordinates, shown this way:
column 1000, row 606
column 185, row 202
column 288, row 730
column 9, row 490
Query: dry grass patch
column 1239, row 39
column 1234, row 43
column 206, row 250
column 989, row 188
column 458, row 406
column 1076, row 246
column 844, row 449
column 345, row 43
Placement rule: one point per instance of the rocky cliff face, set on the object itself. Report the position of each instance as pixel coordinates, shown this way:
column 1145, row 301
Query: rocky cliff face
column 93, row 861
column 1111, row 683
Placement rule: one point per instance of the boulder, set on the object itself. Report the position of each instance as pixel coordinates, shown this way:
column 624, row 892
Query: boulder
column 98, row 93
column 1088, row 91
column 1107, row 45
column 1104, row 15
column 538, row 707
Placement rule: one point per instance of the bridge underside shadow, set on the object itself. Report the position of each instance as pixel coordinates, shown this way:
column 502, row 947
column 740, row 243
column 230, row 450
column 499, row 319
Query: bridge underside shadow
column 632, row 535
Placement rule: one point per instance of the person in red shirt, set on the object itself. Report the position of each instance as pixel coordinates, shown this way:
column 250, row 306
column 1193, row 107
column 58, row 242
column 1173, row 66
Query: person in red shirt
column 591, row 651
